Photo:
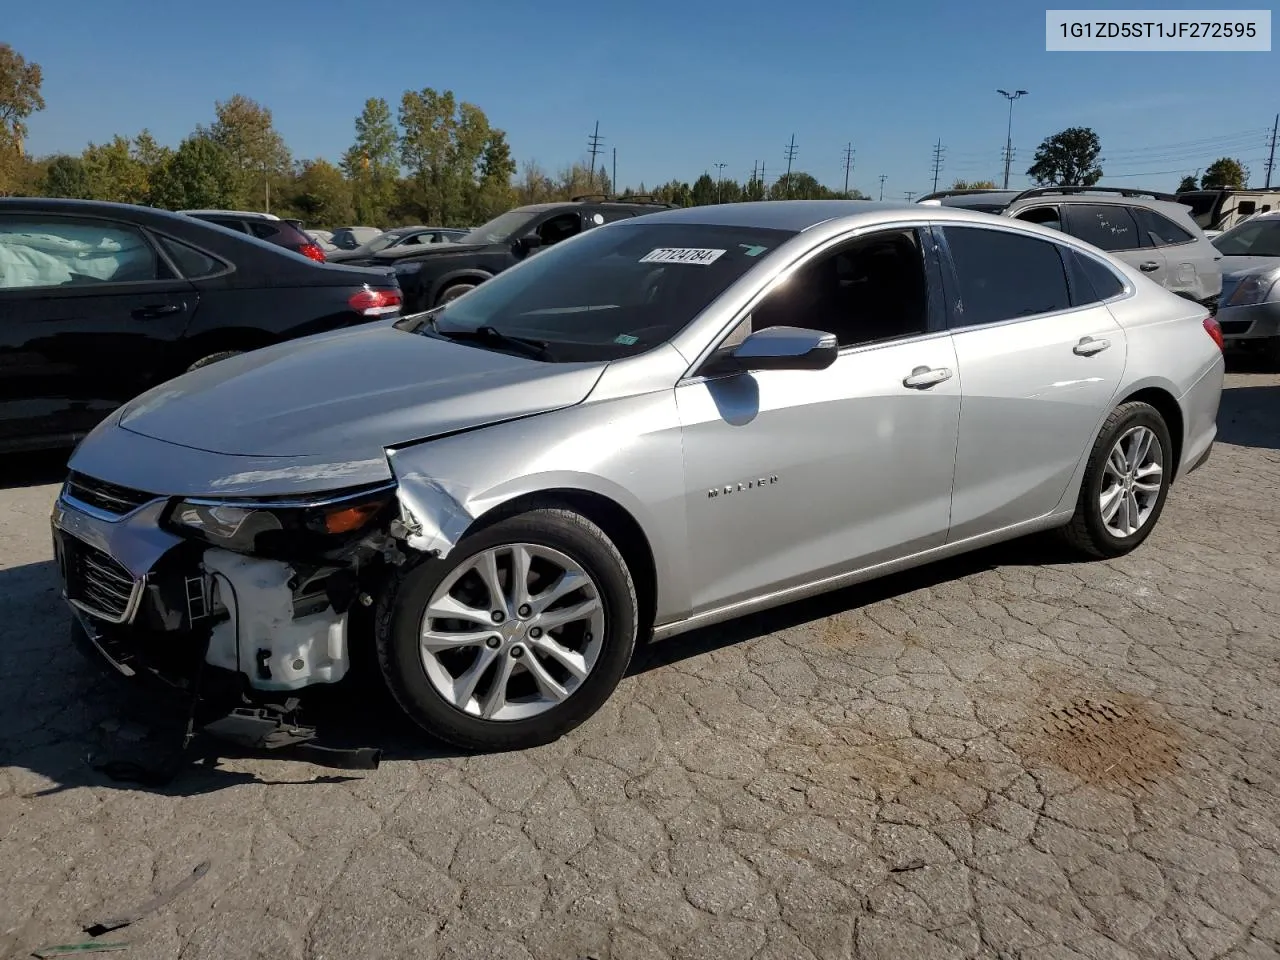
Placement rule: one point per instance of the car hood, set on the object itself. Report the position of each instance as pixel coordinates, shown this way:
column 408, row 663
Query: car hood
column 349, row 395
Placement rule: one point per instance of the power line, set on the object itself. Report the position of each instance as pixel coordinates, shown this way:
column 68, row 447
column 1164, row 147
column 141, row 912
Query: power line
column 883, row 178
column 791, row 155
column 939, row 153
column 848, row 165
column 593, row 143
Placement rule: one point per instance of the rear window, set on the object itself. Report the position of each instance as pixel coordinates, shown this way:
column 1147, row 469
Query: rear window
column 607, row 294
column 263, row 229
column 1158, row 230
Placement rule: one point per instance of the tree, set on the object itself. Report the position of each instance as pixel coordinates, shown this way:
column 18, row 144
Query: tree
column 113, row 172
column 1069, row 158
column 19, row 95
column 321, row 195
column 976, row 185
column 497, row 167
column 66, row 177
column 534, row 185
column 199, row 175
column 704, row 191
column 373, row 162
column 1225, row 172
column 803, row 186
column 754, row 189
column 428, row 123
column 1187, row 183
column 256, row 151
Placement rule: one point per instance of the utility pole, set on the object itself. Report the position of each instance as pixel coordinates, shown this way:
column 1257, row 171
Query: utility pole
column 719, row 179
column 614, row 182
column 848, row 165
column 939, row 152
column 883, row 178
column 791, row 155
column 1271, row 159
column 763, row 181
column 1008, row 139
column 909, row 194
column 593, row 143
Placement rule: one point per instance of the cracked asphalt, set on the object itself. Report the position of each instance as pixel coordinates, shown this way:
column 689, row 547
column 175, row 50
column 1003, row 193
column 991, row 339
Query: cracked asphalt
column 1001, row 756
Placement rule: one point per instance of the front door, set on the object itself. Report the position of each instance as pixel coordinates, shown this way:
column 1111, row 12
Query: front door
column 89, row 314
column 1040, row 368
column 797, row 475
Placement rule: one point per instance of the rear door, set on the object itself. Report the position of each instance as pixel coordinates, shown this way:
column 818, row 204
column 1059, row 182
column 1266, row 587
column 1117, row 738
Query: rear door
column 1112, row 227
column 90, row 313
column 1039, row 365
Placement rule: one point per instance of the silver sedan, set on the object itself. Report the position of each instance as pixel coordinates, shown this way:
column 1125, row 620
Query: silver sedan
column 1249, row 309
column 658, row 425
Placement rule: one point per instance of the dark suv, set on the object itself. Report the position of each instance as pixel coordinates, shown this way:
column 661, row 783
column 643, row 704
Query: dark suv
column 264, row 226
column 440, row 273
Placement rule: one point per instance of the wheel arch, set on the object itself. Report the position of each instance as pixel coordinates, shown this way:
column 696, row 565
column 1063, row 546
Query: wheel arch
column 1167, row 406
column 618, row 524
column 218, row 340
column 468, row 275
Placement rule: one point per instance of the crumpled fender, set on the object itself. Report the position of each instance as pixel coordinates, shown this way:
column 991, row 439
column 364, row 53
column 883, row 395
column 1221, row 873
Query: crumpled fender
column 433, row 512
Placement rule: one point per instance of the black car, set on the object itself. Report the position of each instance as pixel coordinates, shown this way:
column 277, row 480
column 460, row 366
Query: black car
column 101, row 301
column 439, row 273
column 397, row 243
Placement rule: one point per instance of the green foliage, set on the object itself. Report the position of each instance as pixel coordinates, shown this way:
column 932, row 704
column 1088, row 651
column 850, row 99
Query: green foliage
column 1225, row 172
column 255, row 150
column 1069, row 158
column 199, row 175
column 372, row 163
column 975, row 185
column 320, row 193
column 1188, row 183
column 66, row 176
column 19, row 93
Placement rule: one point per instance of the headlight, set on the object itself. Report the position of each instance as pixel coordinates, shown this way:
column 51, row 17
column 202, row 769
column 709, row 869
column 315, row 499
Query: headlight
column 1255, row 288
column 279, row 527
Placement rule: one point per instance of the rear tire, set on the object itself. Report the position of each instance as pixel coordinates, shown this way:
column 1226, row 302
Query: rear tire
column 1120, row 500
column 213, row 358
column 454, row 292
column 505, row 683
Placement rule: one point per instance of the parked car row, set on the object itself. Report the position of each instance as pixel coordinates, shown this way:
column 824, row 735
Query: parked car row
column 653, row 425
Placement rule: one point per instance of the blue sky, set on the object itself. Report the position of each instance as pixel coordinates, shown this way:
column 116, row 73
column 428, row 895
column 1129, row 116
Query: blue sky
column 677, row 87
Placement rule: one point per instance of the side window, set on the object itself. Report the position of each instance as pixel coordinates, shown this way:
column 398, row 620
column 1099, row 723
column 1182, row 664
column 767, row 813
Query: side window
column 1106, row 226
column 262, row 229
column 191, row 263
column 1159, row 230
column 870, row 290
column 1045, row 216
column 1004, row 275
column 414, row 240
column 612, row 215
column 560, row 228
column 1091, row 282
column 57, row 252
column 231, row 224
column 1246, row 208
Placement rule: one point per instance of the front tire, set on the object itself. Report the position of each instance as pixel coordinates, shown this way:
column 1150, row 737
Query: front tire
column 516, row 637
column 1125, row 483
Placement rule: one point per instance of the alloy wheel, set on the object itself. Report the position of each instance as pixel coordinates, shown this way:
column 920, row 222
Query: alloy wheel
column 512, row 632
column 1132, row 479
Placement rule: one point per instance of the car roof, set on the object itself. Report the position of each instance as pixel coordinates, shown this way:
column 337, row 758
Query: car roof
column 94, row 208
column 232, row 213
column 794, row 215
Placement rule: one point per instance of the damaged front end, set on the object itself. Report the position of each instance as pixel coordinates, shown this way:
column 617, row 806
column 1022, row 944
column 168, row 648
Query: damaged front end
column 241, row 603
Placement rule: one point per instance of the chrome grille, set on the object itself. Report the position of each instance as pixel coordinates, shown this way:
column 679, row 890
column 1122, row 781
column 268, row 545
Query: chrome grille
column 96, row 583
column 107, row 497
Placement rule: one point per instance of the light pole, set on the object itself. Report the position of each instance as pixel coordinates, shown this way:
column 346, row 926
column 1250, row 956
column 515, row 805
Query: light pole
column 1008, row 142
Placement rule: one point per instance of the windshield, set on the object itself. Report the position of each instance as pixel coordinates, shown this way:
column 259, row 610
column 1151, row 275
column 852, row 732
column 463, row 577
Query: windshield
column 500, row 229
column 609, row 293
column 1255, row 238
column 380, row 242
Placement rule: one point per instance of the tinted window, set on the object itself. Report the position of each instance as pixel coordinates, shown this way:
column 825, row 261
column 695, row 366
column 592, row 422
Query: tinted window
column 1091, row 282
column 1157, row 230
column 260, row 228
column 611, row 293
column 191, row 263
column 1107, row 227
column 1045, row 216
column 871, row 290
column 1005, row 275
column 58, row 252
column 1257, row 238
column 230, row 224
column 610, row 215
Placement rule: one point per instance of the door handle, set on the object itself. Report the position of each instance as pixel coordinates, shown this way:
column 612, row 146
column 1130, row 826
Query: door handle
column 155, row 310
column 1088, row 346
column 1149, row 267
column 924, row 377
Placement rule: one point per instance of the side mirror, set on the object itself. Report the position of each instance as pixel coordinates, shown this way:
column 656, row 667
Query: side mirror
column 528, row 243
column 785, row 348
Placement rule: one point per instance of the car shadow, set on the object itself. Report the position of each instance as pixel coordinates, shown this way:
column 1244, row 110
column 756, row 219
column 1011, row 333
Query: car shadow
column 32, row 469
column 1249, row 416
column 65, row 718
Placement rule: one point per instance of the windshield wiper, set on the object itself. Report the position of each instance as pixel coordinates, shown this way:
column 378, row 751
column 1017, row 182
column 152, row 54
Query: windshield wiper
column 535, row 349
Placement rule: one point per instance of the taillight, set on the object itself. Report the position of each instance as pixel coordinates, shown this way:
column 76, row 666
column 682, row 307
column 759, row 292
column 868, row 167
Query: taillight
column 374, row 303
column 1214, row 329
column 313, row 251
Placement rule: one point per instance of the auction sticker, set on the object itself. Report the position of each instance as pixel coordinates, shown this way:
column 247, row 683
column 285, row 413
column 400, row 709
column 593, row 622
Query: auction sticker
column 696, row 255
